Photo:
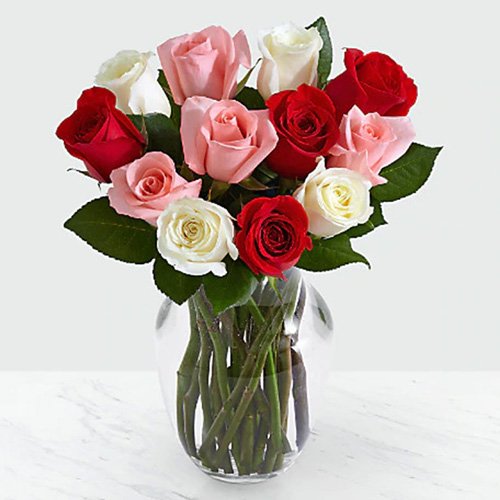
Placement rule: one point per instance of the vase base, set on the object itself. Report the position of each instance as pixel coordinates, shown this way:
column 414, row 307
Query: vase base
column 235, row 479
column 254, row 478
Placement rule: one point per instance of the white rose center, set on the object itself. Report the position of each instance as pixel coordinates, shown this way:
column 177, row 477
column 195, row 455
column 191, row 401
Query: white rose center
column 340, row 199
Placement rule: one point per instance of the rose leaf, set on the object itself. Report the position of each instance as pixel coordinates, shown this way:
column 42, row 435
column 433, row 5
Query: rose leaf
column 174, row 284
column 117, row 236
column 407, row 174
column 330, row 254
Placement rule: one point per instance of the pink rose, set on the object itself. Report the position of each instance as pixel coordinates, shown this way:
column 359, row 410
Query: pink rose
column 224, row 139
column 204, row 63
column 370, row 142
column 146, row 186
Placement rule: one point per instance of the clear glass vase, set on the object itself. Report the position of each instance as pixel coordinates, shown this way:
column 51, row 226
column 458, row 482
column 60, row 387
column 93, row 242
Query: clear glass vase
column 242, row 388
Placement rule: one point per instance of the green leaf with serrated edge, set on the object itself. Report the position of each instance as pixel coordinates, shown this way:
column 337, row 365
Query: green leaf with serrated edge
column 161, row 134
column 325, row 54
column 175, row 113
column 174, row 284
column 245, row 79
column 117, row 236
column 251, row 98
column 330, row 254
column 376, row 219
column 234, row 288
column 407, row 174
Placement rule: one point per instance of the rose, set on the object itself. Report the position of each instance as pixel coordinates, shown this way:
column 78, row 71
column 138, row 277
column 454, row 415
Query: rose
column 335, row 200
column 373, row 82
column 204, row 63
column 369, row 142
column 290, row 58
column 130, row 76
column 224, row 139
column 307, row 129
column 100, row 135
column 273, row 234
column 195, row 235
column 146, row 186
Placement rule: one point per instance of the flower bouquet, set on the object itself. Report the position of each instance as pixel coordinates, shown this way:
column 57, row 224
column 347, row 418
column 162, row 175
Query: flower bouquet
column 230, row 190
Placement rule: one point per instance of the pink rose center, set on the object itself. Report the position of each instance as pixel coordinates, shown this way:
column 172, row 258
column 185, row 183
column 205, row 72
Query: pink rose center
column 368, row 130
column 154, row 183
column 194, row 46
column 228, row 127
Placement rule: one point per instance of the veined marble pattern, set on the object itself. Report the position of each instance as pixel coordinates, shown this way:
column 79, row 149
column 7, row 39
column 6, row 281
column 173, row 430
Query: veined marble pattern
column 394, row 435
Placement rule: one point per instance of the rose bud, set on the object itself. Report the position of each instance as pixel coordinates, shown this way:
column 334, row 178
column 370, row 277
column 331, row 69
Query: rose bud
column 375, row 83
column 290, row 57
column 204, row 63
column 100, row 135
column 133, row 79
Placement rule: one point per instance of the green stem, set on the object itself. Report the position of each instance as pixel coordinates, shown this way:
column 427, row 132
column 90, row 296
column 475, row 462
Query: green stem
column 206, row 325
column 247, row 442
column 245, row 387
column 284, row 376
column 301, row 405
column 190, row 401
column 185, row 373
column 260, row 444
column 205, row 355
column 274, row 442
column 274, row 400
column 216, row 406
column 218, row 345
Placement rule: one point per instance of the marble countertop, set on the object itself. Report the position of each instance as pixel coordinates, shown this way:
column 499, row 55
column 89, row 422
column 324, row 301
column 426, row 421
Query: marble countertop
column 394, row 435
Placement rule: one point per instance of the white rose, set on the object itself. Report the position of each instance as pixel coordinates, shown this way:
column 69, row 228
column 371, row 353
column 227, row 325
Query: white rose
column 290, row 58
column 132, row 78
column 195, row 235
column 335, row 199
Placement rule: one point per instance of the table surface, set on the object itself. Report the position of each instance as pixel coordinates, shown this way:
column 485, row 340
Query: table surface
column 393, row 435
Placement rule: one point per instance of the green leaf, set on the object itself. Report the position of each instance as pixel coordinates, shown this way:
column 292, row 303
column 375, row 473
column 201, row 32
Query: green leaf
column 406, row 175
column 251, row 98
column 245, row 79
column 375, row 220
column 264, row 174
column 117, row 236
column 175, row 114
column 325, row 54
column 174, row 284
column 161, row 134
column 330, row 254
column 217, row 189
column 234, row 288
column 252, row 184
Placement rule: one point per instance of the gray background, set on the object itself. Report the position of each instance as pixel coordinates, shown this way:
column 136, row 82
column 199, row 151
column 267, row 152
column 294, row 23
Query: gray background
column 431, row 298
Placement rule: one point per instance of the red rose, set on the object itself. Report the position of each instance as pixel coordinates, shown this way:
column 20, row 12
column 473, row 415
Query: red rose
column 375, row 83
column 100, row 135
column 307, row 129
column 273, row 234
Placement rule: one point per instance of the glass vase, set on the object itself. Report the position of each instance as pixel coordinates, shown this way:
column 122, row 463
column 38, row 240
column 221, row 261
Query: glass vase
column 242, row 387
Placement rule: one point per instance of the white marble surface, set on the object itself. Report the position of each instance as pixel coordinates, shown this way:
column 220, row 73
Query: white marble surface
column 105, row 436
